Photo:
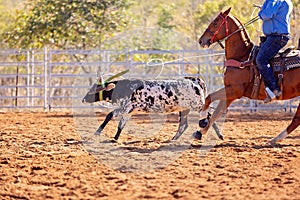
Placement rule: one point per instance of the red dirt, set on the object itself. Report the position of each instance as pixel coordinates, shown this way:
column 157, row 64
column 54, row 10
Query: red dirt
column 42, row 157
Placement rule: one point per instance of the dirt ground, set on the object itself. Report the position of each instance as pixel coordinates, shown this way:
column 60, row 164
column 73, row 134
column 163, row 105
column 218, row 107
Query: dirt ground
column 43, row 157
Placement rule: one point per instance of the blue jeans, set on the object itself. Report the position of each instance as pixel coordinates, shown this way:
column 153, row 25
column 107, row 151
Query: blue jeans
column 268, row 50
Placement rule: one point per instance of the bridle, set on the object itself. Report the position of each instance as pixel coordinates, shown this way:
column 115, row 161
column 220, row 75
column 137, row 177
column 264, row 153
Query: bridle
column 224, row 21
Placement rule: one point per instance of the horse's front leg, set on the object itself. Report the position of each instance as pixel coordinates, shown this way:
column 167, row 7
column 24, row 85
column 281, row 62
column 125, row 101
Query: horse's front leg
column 226, row 96
column 221, row 108
column 218, row 95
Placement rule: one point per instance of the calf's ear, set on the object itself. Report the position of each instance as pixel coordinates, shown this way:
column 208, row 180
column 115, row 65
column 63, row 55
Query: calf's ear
column 110, row 86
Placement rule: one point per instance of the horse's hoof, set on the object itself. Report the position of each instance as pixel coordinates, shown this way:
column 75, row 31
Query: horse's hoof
column 203, row 123
column 197, row 135
column 273, row 142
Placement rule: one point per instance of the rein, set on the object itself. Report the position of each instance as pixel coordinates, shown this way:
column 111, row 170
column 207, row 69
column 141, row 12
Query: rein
column 241, row 27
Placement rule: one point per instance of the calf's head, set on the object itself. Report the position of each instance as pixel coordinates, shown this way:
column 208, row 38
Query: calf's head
column 100, row 92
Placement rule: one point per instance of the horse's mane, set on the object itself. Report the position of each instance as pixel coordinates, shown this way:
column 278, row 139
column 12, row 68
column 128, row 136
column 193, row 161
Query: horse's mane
column 243, row 32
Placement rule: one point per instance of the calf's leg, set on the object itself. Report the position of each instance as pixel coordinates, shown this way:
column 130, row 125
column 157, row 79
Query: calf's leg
column 107, row 119
column 183, row 123
column 121, row 125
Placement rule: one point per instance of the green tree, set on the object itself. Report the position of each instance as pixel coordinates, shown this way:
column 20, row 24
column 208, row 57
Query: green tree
column 6, row 16
column 295, row 21
column 67, row 23
column 165, row 19
column 199, row 13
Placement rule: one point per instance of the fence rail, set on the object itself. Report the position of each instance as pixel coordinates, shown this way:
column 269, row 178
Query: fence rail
column 55, row 79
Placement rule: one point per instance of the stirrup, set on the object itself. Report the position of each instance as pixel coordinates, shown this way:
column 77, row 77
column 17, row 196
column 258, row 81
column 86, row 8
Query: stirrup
column 277, row 93
column 271, row 95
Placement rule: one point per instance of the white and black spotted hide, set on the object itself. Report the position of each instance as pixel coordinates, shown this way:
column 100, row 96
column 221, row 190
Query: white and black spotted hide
column 157, row 96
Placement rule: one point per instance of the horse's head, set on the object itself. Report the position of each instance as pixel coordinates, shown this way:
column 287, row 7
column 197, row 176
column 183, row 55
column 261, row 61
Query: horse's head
column 216, row 31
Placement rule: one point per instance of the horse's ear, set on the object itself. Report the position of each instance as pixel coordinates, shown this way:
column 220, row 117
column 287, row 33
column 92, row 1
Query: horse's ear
column 226, row 12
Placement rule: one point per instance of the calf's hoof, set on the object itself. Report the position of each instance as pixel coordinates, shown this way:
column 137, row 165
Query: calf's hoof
column 218, row 132
column 175, row 137
column 221, row 136
column 98, row 131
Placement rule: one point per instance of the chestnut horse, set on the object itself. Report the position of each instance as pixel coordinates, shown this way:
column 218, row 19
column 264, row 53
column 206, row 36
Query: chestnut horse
column 239, row 81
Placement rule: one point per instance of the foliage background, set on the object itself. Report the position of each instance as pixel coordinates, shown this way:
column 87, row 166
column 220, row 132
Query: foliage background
column 86, row 24
column 108, row 24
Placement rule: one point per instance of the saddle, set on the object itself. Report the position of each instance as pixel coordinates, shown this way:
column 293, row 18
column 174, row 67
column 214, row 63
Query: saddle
column 286, row 59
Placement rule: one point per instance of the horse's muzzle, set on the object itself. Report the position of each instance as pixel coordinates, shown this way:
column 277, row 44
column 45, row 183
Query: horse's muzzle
column 204, row 44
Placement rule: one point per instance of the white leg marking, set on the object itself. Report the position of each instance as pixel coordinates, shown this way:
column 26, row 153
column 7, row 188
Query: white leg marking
column 279, row 137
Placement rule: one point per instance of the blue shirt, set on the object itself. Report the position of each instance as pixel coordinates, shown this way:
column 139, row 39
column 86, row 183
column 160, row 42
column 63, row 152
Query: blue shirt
column 276, row 16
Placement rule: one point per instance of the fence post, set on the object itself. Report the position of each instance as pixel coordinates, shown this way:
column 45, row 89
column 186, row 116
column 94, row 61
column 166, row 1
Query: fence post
column 45, row 77
column 17, row 89
column 32, row 77
column 28, row 71
column 49, row 66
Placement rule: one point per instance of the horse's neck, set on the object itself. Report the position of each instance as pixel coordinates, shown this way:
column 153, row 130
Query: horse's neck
column 239, row 52
column 238, row 46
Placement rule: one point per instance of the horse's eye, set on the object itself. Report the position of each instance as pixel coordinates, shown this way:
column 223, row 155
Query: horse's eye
column 215, row 23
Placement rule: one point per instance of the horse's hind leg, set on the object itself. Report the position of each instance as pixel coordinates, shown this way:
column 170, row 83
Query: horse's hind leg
column 293, row 125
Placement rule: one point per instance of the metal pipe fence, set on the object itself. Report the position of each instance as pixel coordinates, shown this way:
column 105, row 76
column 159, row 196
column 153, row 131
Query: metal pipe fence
column 54, row 79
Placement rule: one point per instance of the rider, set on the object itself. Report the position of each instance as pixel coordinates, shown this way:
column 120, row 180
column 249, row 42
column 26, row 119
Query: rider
column 276, row 27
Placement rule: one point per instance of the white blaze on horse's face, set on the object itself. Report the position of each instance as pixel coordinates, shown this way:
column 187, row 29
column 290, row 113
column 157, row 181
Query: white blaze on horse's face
column 217, row 30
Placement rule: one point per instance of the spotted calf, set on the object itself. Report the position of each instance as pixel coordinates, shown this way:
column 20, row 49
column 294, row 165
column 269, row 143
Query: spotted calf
column 157, row 96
